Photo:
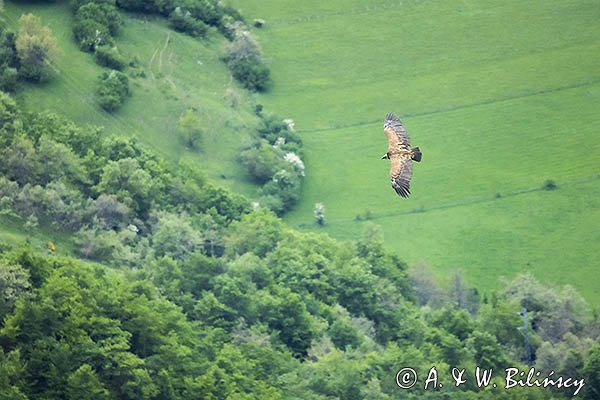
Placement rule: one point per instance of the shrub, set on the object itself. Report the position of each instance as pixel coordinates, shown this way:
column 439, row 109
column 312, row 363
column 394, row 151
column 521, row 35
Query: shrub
column 320, row 215
column 75, row 4
column 9, row 61
column 148, row 6
column 8, row 78
column 285, row 185
column 37, row 49
column 262, row 161
column 189, row 130
column 113, row 89
column 183, row 21
column 208, row 11
column 95, row 25
column 550, row 185
column 251, row 73
column 110, row 57
column 278, row 132
column 244, row 60
column 90, row 34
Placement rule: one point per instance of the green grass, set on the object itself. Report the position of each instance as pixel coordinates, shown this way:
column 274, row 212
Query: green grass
column 13, row 233
column 500, row 96
column 181, row 73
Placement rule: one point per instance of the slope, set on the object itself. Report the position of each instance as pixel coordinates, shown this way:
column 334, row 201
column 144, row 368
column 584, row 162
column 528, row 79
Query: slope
column 180, row 73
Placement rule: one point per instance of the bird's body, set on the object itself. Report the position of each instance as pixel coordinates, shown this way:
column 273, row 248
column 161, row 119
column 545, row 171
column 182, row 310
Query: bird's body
column 400, row 154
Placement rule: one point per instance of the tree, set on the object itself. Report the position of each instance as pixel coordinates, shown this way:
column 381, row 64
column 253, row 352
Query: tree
column 9, row 61
column 112, row 90
column 257, row 232
column 37, row 49
column 58, row 160
column 83, row 384
column 20, row 161
column 189, row 128
column 462, row 295
column 285, row 185
column 286, row 313
column 173, row 235
column 95, row 25
column 262, row 161
column 344, row 334
column 183, row 21
column 129, row 181
column 110, row 57
column 14, row 283
column 591, row 372
column 425, row 286
column 11, row 376
column 245, row 61
column 109, row 212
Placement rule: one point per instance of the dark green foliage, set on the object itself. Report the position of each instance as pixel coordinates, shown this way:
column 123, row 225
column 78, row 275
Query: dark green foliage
column 95, row 25
column 274, row 161
column 37, row 50
column 112, row 90
column 287, row 315
column 110, row 57
column 456, row 322
column 208, row 12
column 274, row 129
column 75, row 4
column 245, row 61
column 84, row 384
column 344, row 335
column 9, row 61
column 14, row 284
column 148, row 6
column 103, row 13
column 251, row 72
column 182, row 21
column 591, row 371
column 11, row 376
column 550, row 185
column 488, row 353
column 89, row 34
column 256, row 233
column 262, row 161
column 285, row 186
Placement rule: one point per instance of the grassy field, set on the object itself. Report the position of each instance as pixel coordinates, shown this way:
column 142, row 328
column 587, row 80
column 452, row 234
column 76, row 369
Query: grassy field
column 181, row 73
column 500, row 96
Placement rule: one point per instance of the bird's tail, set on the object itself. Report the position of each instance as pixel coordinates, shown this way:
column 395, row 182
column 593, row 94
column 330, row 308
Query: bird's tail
column 416, row 154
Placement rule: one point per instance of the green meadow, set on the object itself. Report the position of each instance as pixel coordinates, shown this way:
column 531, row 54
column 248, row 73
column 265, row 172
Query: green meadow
column 501, row 97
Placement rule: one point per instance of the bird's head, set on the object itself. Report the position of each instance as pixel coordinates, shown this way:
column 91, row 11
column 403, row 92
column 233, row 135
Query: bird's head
column 385, row 156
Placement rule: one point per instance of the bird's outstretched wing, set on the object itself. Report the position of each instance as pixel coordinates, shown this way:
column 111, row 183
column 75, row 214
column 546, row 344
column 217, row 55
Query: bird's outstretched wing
column 400, row 173
column 396, row 134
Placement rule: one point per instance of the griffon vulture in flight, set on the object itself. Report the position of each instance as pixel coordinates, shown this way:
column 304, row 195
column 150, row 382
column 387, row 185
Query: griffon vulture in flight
column 400, row 154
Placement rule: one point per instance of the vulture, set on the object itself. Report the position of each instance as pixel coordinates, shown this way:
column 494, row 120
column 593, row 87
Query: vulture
column 400, row 154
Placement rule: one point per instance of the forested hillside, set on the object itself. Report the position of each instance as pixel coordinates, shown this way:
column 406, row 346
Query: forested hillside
column 125, row 275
